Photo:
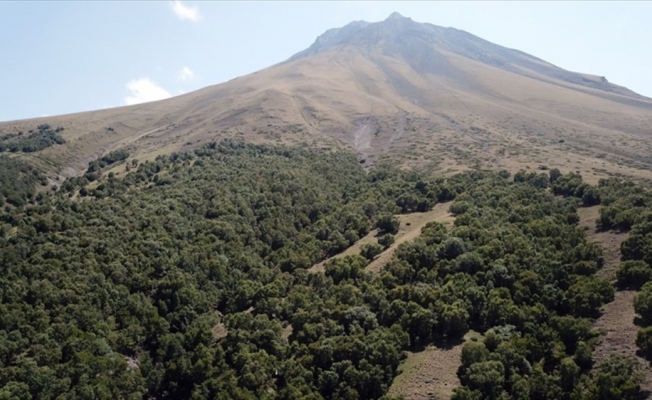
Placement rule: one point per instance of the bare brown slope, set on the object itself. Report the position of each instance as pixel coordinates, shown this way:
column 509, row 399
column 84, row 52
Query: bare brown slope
column 409, row 93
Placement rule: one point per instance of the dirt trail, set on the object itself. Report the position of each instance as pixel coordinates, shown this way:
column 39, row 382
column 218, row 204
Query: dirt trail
column 409, row 229
column 617, row 319
column 431, row 373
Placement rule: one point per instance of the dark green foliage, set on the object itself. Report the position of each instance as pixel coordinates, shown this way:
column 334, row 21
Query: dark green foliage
column 116, row 296
column 18, row 181
column 643, row 302
column 644, row 341
column 633, row 274
column 129, row 292
column 349, row 267
column 370, row 250
column 109, row 159
column 554, row 175
column 616, row 378
column 516, row 267
column 387, row 223
column 590, row 197
column 44, row 137
column 585, row 297
column 459, row 207
column 567, row 185
column 624, row 205
column 538, row 180
column 452, row 248
column 486, row 377
column 473, row 352
column 386, row 240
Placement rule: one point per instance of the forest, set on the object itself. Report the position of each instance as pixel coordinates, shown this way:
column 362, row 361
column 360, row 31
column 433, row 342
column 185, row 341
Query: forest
column 188, row 277
column 43, row 137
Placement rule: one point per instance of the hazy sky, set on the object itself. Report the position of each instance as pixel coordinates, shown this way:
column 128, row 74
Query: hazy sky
column 63, row 57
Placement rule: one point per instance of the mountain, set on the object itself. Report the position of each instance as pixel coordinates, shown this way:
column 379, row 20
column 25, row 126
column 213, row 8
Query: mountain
column 411, row 93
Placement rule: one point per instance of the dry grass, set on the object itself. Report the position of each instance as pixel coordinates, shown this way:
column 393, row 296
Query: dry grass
column 383, row 109
column 430, row 373
column 219, row 331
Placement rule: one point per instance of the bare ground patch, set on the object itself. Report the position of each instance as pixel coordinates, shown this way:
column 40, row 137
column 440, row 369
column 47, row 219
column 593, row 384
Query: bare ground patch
column 219, row 331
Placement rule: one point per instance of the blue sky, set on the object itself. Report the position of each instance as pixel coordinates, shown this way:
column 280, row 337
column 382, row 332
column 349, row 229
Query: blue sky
column 64, row 57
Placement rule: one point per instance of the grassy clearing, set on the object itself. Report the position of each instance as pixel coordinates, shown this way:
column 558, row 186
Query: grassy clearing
column 409, row 229
column 430, row 373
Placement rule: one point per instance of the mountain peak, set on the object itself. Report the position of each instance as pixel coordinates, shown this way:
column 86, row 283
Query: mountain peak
column 426, row 48
column 395, row 16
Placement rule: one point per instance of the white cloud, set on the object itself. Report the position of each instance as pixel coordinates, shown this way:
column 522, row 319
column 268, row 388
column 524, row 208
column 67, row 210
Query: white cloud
column 186, row 74
column 144, row 90
column 184, row 12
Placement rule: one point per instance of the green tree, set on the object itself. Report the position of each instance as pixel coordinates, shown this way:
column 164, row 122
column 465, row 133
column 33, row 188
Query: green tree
column 370, row 250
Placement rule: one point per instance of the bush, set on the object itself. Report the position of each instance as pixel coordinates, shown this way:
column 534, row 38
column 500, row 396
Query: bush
column 643, row 302
column 349, row 267
column 387, row 223
column 644, row 342
column 43, row 138
column 488, row 377
column 591, row 197
column 633, row 274
column 459, row 207
column 371, row 250
column 386, row 240
column 473, row 352
column 452, row 248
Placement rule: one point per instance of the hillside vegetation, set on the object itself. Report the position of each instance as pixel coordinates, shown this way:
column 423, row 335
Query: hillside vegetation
column 34, row 141
column 188, row 277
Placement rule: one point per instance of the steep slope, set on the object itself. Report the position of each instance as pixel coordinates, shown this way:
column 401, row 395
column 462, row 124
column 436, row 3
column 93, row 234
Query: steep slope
column 415, row 94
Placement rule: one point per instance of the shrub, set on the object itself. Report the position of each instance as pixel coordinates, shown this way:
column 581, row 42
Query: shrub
column 386, row 240
column 387, row 223
column 644, row 342
column 371, row 250
column 633, row 274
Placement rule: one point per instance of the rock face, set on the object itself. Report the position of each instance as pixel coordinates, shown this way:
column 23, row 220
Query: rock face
column 411, row 93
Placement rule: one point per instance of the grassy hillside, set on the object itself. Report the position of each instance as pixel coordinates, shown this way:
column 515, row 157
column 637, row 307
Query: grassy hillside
column 412, row 94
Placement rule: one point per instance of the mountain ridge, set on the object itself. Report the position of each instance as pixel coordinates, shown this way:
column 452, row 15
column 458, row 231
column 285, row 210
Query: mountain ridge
column 410, row 93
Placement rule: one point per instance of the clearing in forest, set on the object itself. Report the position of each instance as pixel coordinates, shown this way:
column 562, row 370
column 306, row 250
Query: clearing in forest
column 409, row 229
column 617, row 319
column 431, row 373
